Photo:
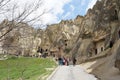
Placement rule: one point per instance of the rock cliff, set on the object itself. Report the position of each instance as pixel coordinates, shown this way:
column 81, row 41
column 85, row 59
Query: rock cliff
column 99, row 39
column 99, row 27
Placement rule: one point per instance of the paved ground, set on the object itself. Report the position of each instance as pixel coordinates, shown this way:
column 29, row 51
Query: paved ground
column 71, row 73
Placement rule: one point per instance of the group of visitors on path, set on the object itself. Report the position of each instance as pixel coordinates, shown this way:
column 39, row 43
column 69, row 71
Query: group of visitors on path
column 66, row 61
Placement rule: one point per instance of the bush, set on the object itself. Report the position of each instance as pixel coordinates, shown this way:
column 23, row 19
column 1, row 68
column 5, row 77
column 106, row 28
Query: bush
column 13, row 57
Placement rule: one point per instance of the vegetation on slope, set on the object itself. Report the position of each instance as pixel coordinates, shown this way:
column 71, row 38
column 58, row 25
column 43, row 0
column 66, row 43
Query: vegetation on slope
column 25, row 68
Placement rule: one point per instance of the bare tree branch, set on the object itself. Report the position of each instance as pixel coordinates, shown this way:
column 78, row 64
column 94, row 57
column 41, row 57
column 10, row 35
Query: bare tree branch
column 4, row 3
column 18, row 16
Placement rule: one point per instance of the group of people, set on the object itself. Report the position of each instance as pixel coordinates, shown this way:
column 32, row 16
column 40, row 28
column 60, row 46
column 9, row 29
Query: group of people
column 66, row 61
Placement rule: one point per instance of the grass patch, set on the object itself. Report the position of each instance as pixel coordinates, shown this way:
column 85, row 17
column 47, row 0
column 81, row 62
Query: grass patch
column 25, row 68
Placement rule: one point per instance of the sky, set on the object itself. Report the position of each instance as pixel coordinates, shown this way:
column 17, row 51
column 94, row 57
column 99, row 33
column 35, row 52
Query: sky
column 56, row 10
column 65, row 9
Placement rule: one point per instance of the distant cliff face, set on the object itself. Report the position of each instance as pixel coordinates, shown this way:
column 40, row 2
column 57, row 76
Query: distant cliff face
column 20, row 40
column 25, row 40
column 100, row 28
column 63, row 34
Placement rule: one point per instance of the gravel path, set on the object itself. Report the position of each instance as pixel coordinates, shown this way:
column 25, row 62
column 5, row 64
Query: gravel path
column 71, row 73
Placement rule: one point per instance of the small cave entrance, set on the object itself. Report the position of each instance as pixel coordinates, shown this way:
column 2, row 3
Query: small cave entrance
column 116, row 15
column 65, row 44
column 119, row 33
column 111, row 44
column 102, row 49
column 96, row 51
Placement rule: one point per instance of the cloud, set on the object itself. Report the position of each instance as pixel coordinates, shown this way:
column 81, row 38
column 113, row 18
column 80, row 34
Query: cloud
column 72, row 7
column 66, row 15
column 55, row 8
column 83, row 2
column 69, row 13
column 91, row 4
column 19, row 7
column 49, row 18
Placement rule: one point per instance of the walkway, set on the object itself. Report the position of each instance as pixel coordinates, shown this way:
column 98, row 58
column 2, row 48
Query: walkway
column 71, row 73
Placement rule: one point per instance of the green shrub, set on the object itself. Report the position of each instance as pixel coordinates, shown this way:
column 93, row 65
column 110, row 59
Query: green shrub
column 13, row 57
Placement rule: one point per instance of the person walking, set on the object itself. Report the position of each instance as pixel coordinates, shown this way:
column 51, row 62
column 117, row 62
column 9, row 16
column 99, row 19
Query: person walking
column 74, row 61
column 65, row 61
column 60, row 61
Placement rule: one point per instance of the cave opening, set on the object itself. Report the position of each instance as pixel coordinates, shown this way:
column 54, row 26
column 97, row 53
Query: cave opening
column 116, row 15
column 96, row 51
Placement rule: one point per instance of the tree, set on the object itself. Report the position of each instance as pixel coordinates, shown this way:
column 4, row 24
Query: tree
column 17, row 14
column 13, row 15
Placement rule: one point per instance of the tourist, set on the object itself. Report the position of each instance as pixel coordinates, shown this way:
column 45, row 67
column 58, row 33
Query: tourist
column 65, row 61
column 74, row 61
column 60, row 61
